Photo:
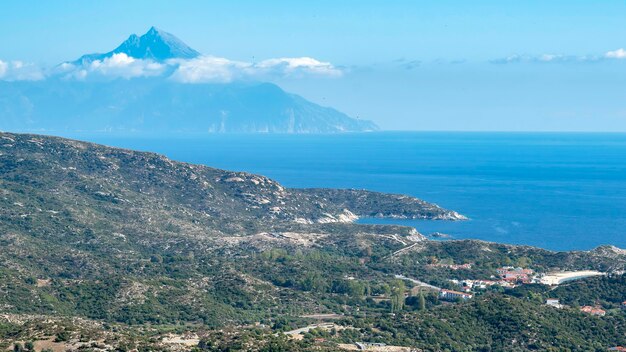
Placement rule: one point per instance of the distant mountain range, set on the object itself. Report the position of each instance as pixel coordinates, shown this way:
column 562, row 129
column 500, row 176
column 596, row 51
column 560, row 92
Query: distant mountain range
column 158, row 104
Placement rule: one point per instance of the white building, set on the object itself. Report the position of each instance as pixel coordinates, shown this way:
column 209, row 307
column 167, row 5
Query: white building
column 450, row 295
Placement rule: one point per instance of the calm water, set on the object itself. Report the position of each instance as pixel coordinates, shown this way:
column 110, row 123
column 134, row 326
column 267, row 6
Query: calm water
column 557, row 191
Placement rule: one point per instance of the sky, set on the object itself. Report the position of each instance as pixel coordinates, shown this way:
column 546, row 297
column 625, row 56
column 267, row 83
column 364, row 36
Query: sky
column 407, row 65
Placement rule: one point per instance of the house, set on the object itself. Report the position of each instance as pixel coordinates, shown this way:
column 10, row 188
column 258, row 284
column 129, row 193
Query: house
column 553, row 303
column 511, row 274
column 624, row 305
column 597, row 311
column 475, row 284
column 503, row 270
column 450, row 295
column 618, row 348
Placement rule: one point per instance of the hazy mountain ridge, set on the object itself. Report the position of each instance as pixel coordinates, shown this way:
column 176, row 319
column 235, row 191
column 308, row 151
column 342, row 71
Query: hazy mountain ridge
column 153, row 105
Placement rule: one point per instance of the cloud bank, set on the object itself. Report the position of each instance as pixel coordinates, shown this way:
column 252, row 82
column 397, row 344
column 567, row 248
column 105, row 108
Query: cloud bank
column 204, row 69
column 618, row 54
column 20, row 71
column 212, row 69
column 207, row 69
column 117, row 66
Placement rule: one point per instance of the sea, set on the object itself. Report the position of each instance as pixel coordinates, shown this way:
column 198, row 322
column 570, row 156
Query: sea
column 559, row 191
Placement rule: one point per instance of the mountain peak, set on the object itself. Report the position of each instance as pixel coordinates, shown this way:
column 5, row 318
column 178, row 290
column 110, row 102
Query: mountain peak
column 155, row 44
column 153, row 31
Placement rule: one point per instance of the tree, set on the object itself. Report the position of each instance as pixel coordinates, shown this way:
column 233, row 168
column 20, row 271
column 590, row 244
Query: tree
column 18, row 347
column 523, row 262
column 278, row 343
column 397, row 296
column 313, row 282
column 356, row 289
column 62, row 336
column 29, row 346
column 422, row 301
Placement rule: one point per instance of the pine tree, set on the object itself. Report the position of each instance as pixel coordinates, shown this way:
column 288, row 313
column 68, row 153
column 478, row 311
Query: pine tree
column 397, row 296
column 422, row 301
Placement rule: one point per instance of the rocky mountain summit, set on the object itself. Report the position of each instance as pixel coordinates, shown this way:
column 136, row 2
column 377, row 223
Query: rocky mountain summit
column 155, row 44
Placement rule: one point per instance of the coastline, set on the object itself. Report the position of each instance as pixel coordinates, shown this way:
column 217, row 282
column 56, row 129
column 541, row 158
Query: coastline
column 558, row 278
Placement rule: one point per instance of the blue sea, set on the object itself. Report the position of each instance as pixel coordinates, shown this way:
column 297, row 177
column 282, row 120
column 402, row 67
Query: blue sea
column 560, row 191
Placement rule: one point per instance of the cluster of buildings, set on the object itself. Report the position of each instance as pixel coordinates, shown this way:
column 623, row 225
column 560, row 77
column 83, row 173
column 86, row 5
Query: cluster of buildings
column 591, row 310
column 597, row 311
column 514, row 275
column 469, row 285
column 508, row 277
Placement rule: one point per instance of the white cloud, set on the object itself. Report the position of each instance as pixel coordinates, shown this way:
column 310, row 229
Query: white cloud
column 122, row 65
column 19, row 71
column 509, row 59
column 208, row 69
column 552, row 58
column 616, row 54
column 560, row 58
column 117, row 66
column 545, row 58
column 299, row 65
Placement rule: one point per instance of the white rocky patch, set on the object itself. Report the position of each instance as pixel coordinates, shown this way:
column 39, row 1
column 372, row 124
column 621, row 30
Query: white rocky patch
column 234, row 179
column 120, row 236
column 347, row 216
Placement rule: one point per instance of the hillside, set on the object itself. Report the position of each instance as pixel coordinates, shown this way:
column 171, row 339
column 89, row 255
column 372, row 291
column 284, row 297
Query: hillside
column 112, row 249
column 67, row 193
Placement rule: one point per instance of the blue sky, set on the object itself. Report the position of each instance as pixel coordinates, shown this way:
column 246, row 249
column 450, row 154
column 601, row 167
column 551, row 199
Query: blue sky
column 419, row 65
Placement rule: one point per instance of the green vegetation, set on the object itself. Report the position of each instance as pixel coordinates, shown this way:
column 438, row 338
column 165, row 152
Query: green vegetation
column 102, row 244
column 606, row 291
column 496, row 323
